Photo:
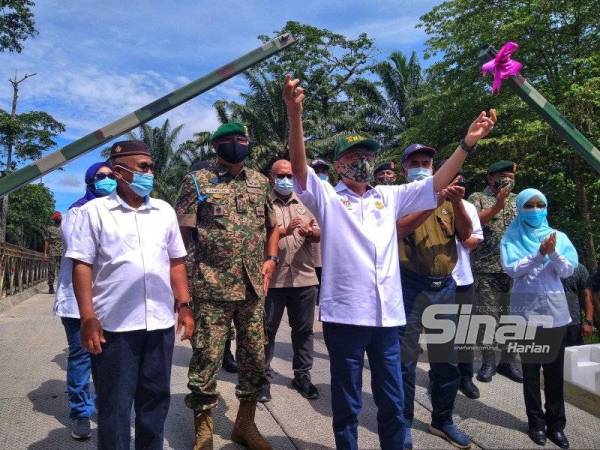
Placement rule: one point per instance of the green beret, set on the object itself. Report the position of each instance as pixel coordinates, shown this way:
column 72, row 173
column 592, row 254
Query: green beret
column 347, row 142
column 502, row 166
column 229, row 128
column 387, row 165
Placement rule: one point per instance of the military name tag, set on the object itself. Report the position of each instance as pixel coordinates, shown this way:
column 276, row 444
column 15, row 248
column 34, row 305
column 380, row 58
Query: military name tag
column 216, row 190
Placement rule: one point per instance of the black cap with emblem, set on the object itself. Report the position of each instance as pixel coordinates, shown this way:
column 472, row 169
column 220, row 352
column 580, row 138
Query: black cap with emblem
column 128, row 148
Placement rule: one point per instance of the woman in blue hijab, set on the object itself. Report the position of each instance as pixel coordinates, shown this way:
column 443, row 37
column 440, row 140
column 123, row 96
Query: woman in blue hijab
column 536, row 257
column 99, row 182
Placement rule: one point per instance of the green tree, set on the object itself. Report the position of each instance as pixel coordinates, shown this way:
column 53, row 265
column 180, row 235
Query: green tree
column 30, row 209
column 23, row 137
column 560, row 49
column 330, row 66
column 16, row 24
column 394, row 101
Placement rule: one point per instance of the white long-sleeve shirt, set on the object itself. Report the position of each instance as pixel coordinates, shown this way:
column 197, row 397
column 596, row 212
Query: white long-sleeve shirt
column 537, row 293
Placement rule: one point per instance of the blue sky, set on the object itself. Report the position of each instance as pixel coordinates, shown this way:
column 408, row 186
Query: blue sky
column 97, row 61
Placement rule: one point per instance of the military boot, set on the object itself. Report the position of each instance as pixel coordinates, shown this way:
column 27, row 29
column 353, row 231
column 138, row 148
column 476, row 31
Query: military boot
column 245, row 431
column 203, row 424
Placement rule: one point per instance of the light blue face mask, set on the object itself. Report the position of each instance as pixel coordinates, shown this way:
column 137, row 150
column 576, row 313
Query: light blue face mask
column 141, row 183
column 323, row 176
column 534, row 217
column 417, row 173
column 284, row 186
column 105, row 186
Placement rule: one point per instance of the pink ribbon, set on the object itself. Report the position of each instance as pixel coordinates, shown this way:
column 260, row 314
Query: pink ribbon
column 502, row 66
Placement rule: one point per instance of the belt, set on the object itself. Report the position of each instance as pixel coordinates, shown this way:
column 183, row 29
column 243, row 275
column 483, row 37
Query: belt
column 434, row 283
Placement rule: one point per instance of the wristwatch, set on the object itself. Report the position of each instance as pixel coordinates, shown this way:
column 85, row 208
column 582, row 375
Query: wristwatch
column 179, row 305
column 273, row 258
column 466, row 148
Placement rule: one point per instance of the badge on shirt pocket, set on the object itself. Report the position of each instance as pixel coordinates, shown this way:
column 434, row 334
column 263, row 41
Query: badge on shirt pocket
column 241, row 203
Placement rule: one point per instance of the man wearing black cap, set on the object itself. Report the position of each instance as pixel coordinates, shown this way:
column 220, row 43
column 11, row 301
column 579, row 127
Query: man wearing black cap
column 129, row 279
column 497, row 208
column 428, row 256
column 361, row 304
column 384, row 173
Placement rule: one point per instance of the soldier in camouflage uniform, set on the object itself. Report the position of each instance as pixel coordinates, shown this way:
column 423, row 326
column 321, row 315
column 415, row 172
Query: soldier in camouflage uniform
column 228, row 206
column 497, row 208
column 53, row 249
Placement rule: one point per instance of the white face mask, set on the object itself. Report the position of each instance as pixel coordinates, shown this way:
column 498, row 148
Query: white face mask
column 417, row 173
column 284, row 186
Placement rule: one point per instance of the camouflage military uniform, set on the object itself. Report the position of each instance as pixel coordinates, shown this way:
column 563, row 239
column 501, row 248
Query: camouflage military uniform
column 55, row 252
column 230, row 215
column 492, row 285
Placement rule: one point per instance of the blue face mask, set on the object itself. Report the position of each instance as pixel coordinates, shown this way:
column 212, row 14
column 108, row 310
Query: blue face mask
column 141, row 183
column 534, row 217
column 284, row 186
column 323, row 176
column 417, row 173
column 105, row 186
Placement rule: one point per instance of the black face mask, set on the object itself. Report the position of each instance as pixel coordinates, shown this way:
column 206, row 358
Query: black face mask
column 233, row 152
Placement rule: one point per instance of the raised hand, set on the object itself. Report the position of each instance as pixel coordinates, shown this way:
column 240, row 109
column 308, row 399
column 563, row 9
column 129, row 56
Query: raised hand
column 501, row 196
column 293, row 95
column 480, row 127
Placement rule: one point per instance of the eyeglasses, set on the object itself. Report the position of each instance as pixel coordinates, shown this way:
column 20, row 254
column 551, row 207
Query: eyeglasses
column 289, row 176
column 102, row 176
column 540, row 205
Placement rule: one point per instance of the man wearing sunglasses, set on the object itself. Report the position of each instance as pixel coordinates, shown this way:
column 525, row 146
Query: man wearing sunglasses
column 229, row 206
column 129, row 280
column 294, row 284
column 361, row 303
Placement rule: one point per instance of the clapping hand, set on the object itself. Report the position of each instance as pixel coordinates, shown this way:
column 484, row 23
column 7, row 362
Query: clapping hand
column 548, row 245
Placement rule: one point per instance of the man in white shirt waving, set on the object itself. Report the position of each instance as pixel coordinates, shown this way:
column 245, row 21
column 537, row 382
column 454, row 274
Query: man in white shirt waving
column 129, row 278
column 361, row 297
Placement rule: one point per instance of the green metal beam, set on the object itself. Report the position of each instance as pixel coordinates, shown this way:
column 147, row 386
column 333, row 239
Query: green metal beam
column 152, row 110
column 549, row 113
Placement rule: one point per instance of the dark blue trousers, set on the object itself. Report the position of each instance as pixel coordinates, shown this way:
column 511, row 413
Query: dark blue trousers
column 134, row 368
column 347, row 345
column 419, row 292
column 79, row 369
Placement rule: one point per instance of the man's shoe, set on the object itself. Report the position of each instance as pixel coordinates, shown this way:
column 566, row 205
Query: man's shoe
column 452, row 434
column 81, row 429
column 303, row 385
column 537, row 436
column 559, row 438
column 408, row 442
column 245, row 431
column 229, row 363
column 486, row 372
column 203, row 427
column 264, row 395
column 468, row 388
column 510, row 371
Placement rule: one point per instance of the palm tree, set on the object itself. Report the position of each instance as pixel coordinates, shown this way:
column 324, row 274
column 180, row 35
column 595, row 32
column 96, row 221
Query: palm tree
column 392, row 104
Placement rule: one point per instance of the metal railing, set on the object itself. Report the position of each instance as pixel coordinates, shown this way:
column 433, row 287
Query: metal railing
column 20, row 268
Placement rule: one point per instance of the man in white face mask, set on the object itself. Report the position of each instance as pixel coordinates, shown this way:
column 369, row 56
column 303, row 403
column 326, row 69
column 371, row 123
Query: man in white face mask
column 294, row 284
